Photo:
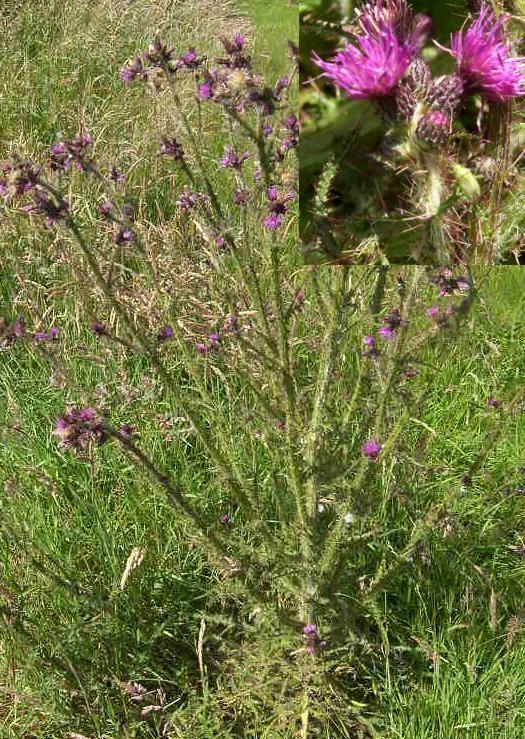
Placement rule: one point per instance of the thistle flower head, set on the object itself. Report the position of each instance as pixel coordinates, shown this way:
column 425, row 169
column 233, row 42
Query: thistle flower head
column 18, row 178
column 171, row 148
column 43, row 204
column 484, row 59
column 123, row 236
column 371, row 449
column 374, row 65
column 407, row 27
column 233, row 160
column 76, row 428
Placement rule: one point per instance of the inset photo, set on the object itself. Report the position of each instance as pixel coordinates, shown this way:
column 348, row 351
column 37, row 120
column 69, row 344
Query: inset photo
column 412, row 131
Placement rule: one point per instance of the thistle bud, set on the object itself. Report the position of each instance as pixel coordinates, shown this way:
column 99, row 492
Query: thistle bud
column 419, row 77
column 434, row 127
column 466, row 181
column 445, row 92
column 405, row 101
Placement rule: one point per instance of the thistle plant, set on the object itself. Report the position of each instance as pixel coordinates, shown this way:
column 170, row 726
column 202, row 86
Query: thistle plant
column 302, row 392
column 442, row 161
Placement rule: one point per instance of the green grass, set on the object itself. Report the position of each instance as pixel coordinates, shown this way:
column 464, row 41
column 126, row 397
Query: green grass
column 74, row 526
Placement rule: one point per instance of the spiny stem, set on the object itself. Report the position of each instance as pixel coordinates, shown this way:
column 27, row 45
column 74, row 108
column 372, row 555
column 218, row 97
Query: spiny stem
column 288, row 385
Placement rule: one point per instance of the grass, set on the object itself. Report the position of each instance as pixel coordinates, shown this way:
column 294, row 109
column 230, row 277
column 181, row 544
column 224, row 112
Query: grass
column 443, row 665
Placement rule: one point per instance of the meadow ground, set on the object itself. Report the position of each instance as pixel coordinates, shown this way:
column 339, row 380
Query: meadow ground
column 76, row 644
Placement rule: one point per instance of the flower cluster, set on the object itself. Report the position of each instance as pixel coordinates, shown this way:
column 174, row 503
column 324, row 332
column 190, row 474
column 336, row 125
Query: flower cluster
column 448, row 286
column 211, row 344
column 9, row 333
column 188, row 199
column 18, row 178
column 231, row 325
column 64, row 154
column 392, row 323
column 171, row 148
column 50, row 335
column 43, row 204
column 78, row 427
column 383, row 63
column 158, row 58
column 233, row 160
column 277, row 207
column 22, row 181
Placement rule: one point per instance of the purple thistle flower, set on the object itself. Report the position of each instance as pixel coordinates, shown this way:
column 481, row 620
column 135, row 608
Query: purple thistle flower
column 126, row 429
column 484, row 62
column 299, row 298
column 371, row 449
column 64, row 153
column 124, row 236
column 77, row 427
column 273, row 221
column 273, row 193
column 133, row 69
column 49, row 336
column 371, row 347
column 433, row 312
column 372, row 67
column 312, row 639
column 116, row 175
column 166, row 334
column 239, row 197
column 219, row 239
column 187, row 199
column 99, row 328
column 493, row 403
column 281, row 85
column 202, row 348
column 408, row 28
column 43, row 205
column 267, row 129
column 233, row 160
column 204, row 91
column 226, row 519
column 106, row 208
column 231, row 325
column 292, row 123
column 170, row 148
column 189, row 60
column 387, row 332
